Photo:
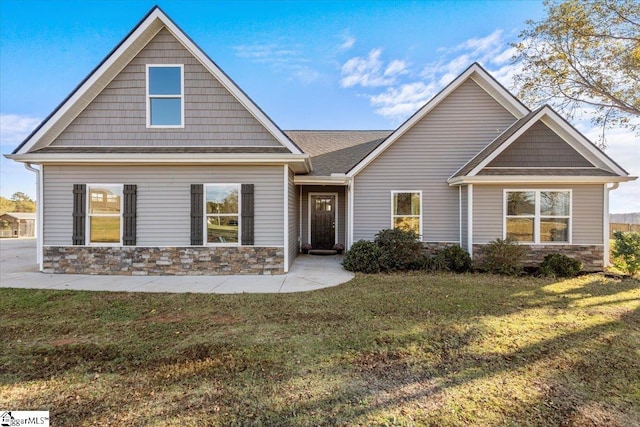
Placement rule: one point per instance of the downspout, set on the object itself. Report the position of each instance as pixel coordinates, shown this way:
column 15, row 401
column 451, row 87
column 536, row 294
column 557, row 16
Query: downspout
column 39, row 212
column 605, row 222
column 460, row 215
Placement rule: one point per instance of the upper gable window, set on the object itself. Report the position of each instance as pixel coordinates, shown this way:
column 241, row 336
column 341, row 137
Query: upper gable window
column 165, row 96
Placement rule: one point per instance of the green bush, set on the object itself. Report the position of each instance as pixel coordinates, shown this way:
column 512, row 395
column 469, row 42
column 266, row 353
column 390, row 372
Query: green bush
column 362, row 257
column 559, row 265
column 455, row 259
column 626, row 251
column 400, row 250
column 503, row 256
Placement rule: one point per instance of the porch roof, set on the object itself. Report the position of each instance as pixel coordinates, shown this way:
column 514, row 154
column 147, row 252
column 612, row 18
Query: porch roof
column 336, row 151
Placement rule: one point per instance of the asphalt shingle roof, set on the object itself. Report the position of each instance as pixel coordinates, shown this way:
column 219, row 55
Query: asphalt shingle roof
column 336, row 151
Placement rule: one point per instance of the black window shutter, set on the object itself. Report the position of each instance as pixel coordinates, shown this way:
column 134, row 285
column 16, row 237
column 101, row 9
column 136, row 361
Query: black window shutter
column 197, row 213
column 247, row 214
column 129, row 215
column 79, row 213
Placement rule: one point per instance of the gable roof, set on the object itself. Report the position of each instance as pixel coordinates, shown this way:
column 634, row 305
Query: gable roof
column 475, row 72
column 115, row 62
column 336, row 151
column 603, row 165
column 21, row 215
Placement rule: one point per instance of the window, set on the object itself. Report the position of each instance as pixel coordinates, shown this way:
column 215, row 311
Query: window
column 538, row 216
column 222, row 214
column 165, row 96
column 105, row 213
column 406, row 211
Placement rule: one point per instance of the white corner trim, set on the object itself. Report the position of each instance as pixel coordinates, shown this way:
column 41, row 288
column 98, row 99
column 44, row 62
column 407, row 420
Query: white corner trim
column 286, row 218
column 478, row 74
column 40, row 214
column 470, row 219
column 351, row 205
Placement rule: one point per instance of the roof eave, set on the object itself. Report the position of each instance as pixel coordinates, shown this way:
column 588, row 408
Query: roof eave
column 537, row 179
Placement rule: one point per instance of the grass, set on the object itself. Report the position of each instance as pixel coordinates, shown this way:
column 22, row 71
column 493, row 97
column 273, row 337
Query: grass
column 446, row 350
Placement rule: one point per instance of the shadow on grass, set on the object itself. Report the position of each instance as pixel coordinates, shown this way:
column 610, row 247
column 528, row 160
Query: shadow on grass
column 404, row 348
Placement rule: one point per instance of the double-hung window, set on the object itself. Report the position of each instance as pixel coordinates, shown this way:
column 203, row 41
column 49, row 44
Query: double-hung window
column 222, row 213
column 104, row 225
column 165, row 96
column 538, row 216
column 406, row 211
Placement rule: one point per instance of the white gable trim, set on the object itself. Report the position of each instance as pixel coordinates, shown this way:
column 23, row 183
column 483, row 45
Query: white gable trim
column 109, row 69
column 577, row 141
column 474, row 72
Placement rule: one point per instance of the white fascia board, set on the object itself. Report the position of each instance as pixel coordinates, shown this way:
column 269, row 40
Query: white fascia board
column 578, row 141
column 299, row 162
column 87, row 87
column 321, row 180
column 478, row 75
column 229, row 85
column 537, row 179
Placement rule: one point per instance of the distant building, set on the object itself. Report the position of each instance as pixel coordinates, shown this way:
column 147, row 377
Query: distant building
column 18, row 224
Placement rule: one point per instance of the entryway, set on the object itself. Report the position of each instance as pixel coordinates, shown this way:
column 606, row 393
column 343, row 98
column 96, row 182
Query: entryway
column 322, row 211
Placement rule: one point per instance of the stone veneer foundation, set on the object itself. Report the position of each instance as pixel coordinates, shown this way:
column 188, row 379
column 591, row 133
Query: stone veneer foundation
column 591, row 256
column 143, row 261
column 432, row 248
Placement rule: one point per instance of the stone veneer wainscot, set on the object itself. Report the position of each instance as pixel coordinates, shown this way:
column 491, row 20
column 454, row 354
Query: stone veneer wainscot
column 591, row 256
column 142, row 261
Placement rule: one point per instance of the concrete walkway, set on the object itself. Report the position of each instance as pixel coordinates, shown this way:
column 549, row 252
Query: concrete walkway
column 18, row 269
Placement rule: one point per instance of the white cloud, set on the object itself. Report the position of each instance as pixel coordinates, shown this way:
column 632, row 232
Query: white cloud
column 370, row 71
column 284, row 59
column 397, row 103
column 347, row 42
column 15, row 128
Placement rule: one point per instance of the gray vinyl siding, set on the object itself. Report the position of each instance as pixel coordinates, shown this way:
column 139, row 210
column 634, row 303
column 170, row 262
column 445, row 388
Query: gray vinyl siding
column 539, row 147
column 213, row 116
column 587, row 209
column 423, row 158
column 464, row 203
column 294, row 213
column 341, row 215
column 163, row 211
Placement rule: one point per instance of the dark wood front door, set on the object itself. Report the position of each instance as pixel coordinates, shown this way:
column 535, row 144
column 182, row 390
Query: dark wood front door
column 323, row 221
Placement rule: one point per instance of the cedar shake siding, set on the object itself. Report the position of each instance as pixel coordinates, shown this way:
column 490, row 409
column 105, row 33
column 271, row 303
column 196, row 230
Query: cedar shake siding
column 424, row 158
column 539, row 147
column 164, row 199
column 587, row 209
column 212, row 115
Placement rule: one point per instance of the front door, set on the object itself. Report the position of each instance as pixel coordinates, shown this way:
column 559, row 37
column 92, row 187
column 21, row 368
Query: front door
column 323, row 221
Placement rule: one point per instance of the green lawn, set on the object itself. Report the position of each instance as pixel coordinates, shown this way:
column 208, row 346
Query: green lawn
column 444, row 350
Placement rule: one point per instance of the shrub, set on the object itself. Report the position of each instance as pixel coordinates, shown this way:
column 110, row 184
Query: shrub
column 626, row 251
column 455, row 259
column 362, row 257
column 503, row 256
column 560, row 266
column 399, row 249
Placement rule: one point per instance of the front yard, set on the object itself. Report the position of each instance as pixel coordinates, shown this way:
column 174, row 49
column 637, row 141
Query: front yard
column 446, row 350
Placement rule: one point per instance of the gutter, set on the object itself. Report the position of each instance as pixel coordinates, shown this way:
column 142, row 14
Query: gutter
column 39, row 212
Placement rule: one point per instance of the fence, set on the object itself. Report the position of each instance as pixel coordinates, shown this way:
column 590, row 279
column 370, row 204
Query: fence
column 618, row 226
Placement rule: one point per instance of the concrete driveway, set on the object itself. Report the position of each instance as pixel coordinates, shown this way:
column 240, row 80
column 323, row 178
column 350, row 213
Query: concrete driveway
column 18, row 269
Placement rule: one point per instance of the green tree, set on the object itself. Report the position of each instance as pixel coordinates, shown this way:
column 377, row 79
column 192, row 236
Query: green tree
column 7, row 205
column 23, row 203
column 584, row 54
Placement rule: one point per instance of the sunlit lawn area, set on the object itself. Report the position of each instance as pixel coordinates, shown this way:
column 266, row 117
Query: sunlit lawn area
column 445, row 350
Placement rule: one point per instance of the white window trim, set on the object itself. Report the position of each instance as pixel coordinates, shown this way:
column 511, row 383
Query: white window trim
column 148, row 97
column 88, row 215
column 536, row 215
column 205, row 215
column 394, row 192
column 336, row 212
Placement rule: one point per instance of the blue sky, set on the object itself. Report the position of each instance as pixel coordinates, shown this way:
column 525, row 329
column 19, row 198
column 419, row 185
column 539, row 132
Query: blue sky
column 308, row 65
